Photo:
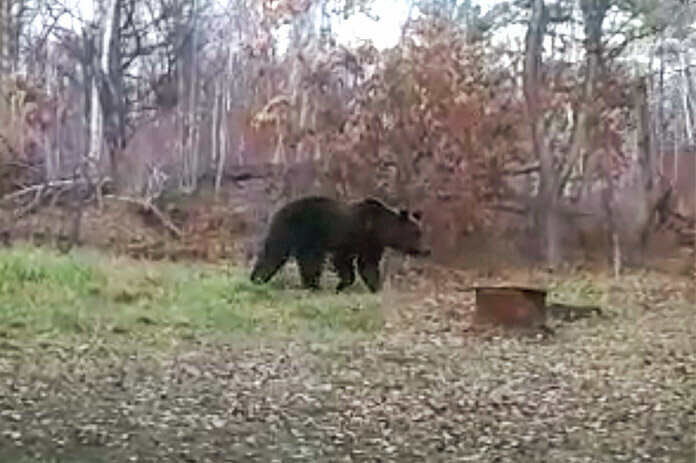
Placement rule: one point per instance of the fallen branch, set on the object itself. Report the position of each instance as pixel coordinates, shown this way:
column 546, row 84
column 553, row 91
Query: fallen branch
column 243, row 176
column 40, row 187
column 512, row 172
column 147, row 205
column 519, row 210
column 13, row 153
column 31, row 206
column 33, row 189
column 23, row 165
column 56, row 196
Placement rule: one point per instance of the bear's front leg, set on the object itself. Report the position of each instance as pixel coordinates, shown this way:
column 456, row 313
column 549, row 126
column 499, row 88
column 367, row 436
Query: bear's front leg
column 343, row 263
column 368, row 267
column 268, row 263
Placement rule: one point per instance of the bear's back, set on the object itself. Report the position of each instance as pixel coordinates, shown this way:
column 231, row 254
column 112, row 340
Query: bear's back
column 320, row 220
column 312, row 208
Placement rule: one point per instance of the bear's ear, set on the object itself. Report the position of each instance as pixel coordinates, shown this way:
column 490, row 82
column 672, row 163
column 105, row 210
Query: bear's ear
column 404, row 214
column 417, row 215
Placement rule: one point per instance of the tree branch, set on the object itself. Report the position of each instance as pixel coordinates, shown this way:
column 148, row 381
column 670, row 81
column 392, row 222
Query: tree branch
column 148, row 206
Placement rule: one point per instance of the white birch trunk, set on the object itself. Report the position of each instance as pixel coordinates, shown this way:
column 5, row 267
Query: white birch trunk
column 193, row 152
column 49, row 171
column 214, row 125
column 96, row 128
column 279, row 154
column 181, row 127
column 689, row 123
column 675, row 150
column 224, row 129
column 97, row 119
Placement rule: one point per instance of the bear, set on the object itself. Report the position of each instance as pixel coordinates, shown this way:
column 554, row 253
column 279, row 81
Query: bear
column 313, row 227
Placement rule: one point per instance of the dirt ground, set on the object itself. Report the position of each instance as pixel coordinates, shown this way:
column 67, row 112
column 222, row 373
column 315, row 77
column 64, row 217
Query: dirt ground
column 617, row 388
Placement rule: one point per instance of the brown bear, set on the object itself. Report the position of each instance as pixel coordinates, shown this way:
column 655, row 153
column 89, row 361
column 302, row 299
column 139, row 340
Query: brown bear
column 312, row 227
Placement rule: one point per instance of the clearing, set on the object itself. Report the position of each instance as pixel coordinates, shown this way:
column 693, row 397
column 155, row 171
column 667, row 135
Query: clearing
column 106, row 359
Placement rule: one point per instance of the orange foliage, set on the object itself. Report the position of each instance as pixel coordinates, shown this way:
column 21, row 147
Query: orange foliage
column 428, row 124
column 27, row 115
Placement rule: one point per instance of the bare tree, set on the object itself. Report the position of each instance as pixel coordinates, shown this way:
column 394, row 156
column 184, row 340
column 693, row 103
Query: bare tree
column 191, row 153
column 545, row 206
column 11, row 25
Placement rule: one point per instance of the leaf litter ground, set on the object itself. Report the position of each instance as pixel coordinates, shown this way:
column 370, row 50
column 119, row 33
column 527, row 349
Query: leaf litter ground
column 297, row 384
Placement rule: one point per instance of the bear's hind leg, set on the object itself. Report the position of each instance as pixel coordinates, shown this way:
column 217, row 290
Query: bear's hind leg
column 311, row 266
column 346, row 271
column 369, row 272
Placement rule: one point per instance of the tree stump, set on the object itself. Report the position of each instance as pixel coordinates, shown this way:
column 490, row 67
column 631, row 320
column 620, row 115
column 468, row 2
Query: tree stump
column 510, row 306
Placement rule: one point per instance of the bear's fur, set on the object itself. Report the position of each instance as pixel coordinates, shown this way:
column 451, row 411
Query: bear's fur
column 312, row 227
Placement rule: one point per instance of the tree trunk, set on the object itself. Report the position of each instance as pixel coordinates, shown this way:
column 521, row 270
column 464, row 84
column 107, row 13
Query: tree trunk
column 687, row 101
column 181, row 124
column 193, row 132
column 661, row 106
column 616, row 252
column 117, row 120
column 18, row 14
column 100, row 98
column 4, row 18
column 11, row 15
column 225, row 118
column 646, row 159
column 96, row 128
column 5, row 35
column 53, row 147
column 87, row 69
column 49, row 170
column 214, row 125
column 594, row 12
column 224, row 134
column 545, row 208
column 646, row 162
column 675, row 150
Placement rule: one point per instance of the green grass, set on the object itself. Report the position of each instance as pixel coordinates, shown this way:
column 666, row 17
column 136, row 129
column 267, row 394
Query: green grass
column 577, row 290
column 48, row 298
column 52, row 460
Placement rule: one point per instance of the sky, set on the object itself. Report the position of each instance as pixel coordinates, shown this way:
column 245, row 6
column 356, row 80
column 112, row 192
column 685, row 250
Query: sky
column 384, row 33
column 392, row 14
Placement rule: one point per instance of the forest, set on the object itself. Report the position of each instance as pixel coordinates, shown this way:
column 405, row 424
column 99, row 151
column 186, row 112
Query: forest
column 145, row 146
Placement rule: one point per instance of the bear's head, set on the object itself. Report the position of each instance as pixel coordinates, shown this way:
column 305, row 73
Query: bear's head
column 398, row 230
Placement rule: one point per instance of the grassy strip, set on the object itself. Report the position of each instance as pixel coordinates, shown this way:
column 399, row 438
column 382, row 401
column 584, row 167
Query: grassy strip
column 48, row 298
